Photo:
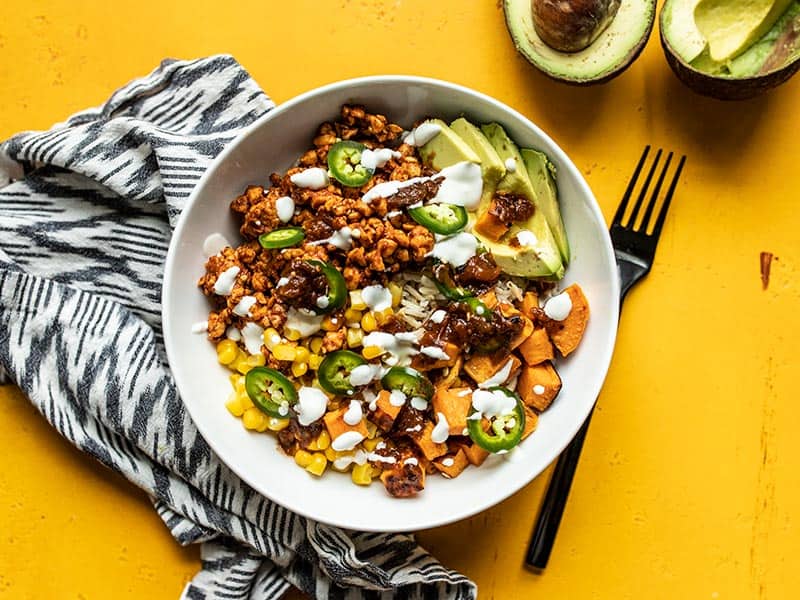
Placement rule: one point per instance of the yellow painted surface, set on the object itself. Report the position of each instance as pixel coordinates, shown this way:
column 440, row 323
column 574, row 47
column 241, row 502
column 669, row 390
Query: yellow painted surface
column 689, row 485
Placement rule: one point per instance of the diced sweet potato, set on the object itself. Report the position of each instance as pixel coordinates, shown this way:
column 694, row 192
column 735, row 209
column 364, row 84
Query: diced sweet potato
column 403, row 480
column 483, row 366
column 336, row 426
column 537, row 347
column 454, row 404
column 426, row 445
column 529, row 301
column 507, row 310
column 531, row 420
column 538, row 385
column 490, row 226
column 489, row 299
column 385, row 412
column 475, row 454
column 451, row 465
column 569, row 334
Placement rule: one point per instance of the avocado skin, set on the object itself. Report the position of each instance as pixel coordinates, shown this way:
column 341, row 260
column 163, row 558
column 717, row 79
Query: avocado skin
column 723, row 88
column 632, row 55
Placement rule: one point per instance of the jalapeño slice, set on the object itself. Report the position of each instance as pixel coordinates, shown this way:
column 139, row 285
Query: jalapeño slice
column 443, row 278
column 337, row 288
column 335, row 369
column 409, row 381
column 282, row 238
column 440, row 218
column 271, row 392
column 505, row 431
column 344, row 163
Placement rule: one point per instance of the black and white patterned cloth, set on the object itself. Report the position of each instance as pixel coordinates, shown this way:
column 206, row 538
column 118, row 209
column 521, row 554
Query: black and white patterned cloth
column 86, row 213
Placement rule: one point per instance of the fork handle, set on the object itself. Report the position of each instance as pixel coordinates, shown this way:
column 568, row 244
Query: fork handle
column 555, row 500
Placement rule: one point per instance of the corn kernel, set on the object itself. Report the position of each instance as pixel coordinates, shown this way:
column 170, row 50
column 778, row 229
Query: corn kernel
column 371, row 444
column 299, row 368
column 241, row 364
column 330, row 453
column 252, row 418
column 227, row 351
column 370, row 352
column 292, row 334
column 351, row 315
column 284, row 352
column 314, row 361
column 245, row 400
column 313, row 446
column 330, row 323
column 383, row 316
column 234, row 406
column 276, row 424
column 354, row 337
column 368, row 322
column 271, row 338
column 301, row 354
column 316, row 345
column 263, row 424
column 362, row 474
column 303, row 458
column 237, row 381
column 397, row 294
column 318, row 464
column 356, row 300
column 324, row 440
column 256, row 360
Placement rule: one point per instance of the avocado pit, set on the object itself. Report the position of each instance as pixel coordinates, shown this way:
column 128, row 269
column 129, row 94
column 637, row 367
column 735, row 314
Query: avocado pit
column 572, row 25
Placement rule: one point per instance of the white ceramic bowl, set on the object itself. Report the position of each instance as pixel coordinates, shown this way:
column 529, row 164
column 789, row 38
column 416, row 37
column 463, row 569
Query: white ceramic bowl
column 272, row 145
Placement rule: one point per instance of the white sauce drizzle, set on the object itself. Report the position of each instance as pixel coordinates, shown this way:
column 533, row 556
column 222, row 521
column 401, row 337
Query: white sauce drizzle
column 364, row 374
column 491, row 404
column 455, row 250
column 462, row 185
column 441, row 430
column 448, row 462
column 303, row 321
column 438, row 316
column 347, row 441
column 558, row 307
column 242, row 309
column 282, row 281
column 419, row 403
column 353, row 414
column 233, row 334
column 422, row 134
column 371, row 398
column 411, row 461
column 434, row 352
column 311, row 405
column 511, row 165
column 399, row 346
column 377, row 297
column 214, row 244
column 253, row 335
column 498, row 378
column 538, row 389
column 322, row 302
column 527, row 238
column 313, row 178
column 375, row 159
column 341, row 238
column 284, row 206
column 397, row 398
column 226, row 280
column 463, row 393
column 200, row 327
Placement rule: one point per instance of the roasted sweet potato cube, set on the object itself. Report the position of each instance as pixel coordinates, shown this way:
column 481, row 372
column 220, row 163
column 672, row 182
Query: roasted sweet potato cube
column 508, row 310
column 530, row 301
column 475, row 454
column 538, row 385
column 426, row 445
column 336, row 426
column 483, row 366
column 454, row 404
column 489, row 299
column 531, row 420
column 385, row 412
column 567, row 336
column 537, row 347
column 403, row 480
column 489, row 226
column 451, row 465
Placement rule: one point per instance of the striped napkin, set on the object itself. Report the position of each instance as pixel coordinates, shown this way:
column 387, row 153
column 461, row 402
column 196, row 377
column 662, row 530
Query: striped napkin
column 86, row 212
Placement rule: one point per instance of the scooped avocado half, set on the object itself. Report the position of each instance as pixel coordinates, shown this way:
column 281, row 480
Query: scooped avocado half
column 748, row 61
column 606, row 57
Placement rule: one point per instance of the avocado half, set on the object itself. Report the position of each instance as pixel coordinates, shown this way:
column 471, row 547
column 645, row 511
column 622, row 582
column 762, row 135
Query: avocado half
column 605, row 58
column 767, row 63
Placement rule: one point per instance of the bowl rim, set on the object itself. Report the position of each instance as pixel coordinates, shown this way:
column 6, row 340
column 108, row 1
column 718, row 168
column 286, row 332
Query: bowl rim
column 606, row 350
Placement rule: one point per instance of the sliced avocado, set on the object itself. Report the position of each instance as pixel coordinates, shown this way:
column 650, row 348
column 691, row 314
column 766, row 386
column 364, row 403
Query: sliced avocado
column 492, row 168
column 607, row 56
column 541, row 172
column 446, row 148
column 542, row 259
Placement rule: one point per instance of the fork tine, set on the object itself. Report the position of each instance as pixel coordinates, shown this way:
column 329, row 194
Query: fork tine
column 623, row 205
column 654, row 196
column 662, row 215
column 643, row 192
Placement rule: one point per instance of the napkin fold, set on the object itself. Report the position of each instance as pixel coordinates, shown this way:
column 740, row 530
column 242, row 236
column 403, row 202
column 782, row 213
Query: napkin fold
column 86, row 213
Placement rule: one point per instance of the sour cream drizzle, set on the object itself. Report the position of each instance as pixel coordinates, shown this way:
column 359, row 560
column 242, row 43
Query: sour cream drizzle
column 223, row 286
column 242, row 309
column 353, row 414
column 214, row 244
column 377, row 297
column 434, row 352
column 558, row 307
column 253, row 335
column 527, row 238
column 511, row 165
column 441, row 430
column 498, row 378
column 422, row 134
column 313, row 178
column 347, row 441
column 311, row 405
column 399, row 346
column 285, row 208
column 375, row 159
column 455, row 250
column 488, row 403
column 303, row 321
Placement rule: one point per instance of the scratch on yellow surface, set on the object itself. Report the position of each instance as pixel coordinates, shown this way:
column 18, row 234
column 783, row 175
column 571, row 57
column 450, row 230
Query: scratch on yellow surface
column 689, row 483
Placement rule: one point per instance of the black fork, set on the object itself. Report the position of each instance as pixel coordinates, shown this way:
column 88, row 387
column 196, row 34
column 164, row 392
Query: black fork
column 634, row 240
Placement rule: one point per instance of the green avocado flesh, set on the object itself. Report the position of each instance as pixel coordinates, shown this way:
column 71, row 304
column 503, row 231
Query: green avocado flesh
column 491, row 148
column 776, row 48
column 607, row 55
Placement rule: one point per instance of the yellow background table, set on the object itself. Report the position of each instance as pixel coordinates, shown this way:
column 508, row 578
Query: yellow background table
column 689, row 485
